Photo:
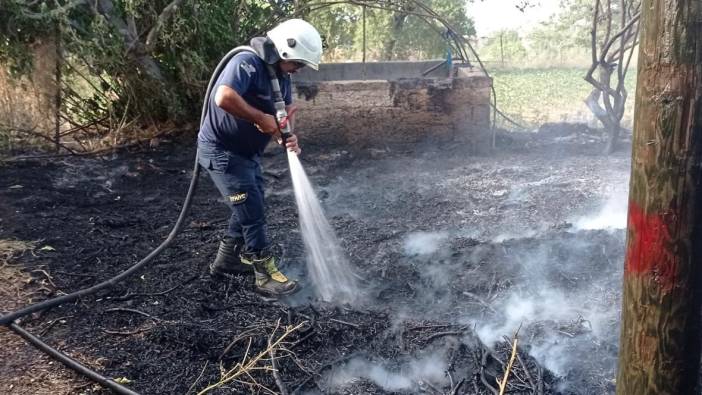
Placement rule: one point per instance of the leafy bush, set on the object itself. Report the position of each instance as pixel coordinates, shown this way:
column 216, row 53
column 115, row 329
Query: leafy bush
column 114, row 67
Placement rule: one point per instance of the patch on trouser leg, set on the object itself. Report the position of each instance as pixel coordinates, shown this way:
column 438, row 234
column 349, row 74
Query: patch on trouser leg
column 238, row 198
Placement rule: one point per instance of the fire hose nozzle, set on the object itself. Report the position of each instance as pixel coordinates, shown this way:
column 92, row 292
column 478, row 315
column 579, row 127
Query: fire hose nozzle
column 283, row 118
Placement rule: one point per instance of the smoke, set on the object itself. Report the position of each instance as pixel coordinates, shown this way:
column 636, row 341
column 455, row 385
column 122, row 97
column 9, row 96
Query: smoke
column 518, row 309
column 405, row 375
column 514, row 235
column 496, row 252
column 557, row 317
column 612, row 215
column 564, row 296
column 424, row 243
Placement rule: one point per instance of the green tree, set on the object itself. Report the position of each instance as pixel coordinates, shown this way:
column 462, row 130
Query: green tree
column 393, row 30
column 504, row 46
column 568, row 31
column 147, row 58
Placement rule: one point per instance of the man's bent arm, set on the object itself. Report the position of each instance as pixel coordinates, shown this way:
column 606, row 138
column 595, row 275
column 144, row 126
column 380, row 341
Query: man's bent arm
column 227, row 99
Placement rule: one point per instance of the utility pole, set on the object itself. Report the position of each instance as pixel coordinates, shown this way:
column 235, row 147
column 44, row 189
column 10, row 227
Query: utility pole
column 659, row 349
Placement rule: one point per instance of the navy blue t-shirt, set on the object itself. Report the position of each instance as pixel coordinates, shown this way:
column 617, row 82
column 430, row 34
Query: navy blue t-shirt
column 246, row 73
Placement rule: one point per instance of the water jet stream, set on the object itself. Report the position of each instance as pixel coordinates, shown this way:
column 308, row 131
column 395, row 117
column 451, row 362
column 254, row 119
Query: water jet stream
column 326, row 263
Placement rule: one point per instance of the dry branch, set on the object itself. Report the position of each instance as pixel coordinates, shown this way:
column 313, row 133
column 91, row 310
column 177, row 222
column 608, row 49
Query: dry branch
column 249, row 365
column 503, row 384
column 197, row 380
column 508, row 369
column 274, row 364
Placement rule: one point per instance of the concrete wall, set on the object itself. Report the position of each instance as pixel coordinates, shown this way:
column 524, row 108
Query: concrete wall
column 375, row 71
column 397, row 110
column 393, row 104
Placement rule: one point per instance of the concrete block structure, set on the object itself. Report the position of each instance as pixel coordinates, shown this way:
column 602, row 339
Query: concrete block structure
column 376, row 104
column 387, row 103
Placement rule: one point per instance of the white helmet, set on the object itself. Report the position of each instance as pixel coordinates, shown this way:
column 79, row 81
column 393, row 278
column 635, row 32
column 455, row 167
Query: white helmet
column 297, row 40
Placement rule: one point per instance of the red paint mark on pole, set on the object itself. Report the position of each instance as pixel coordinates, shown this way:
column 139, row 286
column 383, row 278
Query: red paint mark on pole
column 650, row 247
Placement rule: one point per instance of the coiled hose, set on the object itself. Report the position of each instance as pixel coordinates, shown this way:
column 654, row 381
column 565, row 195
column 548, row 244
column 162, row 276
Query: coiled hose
column 9, row 318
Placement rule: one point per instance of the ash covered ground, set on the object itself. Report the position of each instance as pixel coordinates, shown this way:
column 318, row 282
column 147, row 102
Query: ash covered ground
column 454, row 253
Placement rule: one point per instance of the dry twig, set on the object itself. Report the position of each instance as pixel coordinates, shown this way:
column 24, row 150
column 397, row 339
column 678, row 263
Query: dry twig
column 198, row 378
column 526, row 372
column 276, row 373
column 248, row 365
column 503, row 384
column 345, row 323
column 126, row 310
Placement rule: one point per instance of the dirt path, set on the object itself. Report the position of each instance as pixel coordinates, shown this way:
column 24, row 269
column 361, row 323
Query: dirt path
column 454, row 252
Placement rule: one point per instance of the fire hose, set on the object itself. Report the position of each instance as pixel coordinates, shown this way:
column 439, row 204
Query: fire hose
column 9, row 319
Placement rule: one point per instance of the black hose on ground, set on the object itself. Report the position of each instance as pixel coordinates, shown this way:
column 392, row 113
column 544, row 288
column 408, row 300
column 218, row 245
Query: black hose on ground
column 9, row 318
column 71, row 363
column 53, row 302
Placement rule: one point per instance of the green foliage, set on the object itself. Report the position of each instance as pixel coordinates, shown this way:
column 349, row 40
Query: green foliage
column 566, row 32
column 562, row 41
column 19, row 27
column 534, row 96
column 108, row 74
column 423, row 39
column 110, row 71
column 504, row 46
column 416, row 38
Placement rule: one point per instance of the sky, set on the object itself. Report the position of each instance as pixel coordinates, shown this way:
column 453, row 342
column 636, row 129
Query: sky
column 492, row 15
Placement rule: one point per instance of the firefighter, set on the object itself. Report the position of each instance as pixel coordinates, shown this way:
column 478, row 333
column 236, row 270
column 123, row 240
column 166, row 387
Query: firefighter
column 238, row 123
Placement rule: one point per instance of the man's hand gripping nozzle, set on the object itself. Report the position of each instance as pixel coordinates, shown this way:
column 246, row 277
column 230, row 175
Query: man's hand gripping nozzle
column 283, row 118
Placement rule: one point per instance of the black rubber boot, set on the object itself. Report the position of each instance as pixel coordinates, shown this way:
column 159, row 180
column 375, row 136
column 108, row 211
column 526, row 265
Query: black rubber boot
column 227, row 261
column 269, row 280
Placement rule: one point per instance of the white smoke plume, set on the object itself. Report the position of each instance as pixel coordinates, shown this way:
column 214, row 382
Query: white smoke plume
column 424, row 243
column 612, row 215
column 557, row 296
column 402, row 376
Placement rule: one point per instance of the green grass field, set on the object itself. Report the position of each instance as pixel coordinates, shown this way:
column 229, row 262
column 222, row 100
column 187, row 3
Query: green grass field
column 532, row 97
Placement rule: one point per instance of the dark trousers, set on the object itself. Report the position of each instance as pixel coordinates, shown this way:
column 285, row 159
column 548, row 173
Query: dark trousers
column 240, row 182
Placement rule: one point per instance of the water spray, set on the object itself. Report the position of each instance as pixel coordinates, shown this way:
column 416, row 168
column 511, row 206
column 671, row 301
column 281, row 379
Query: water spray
column 9, row 318
column 326, row 263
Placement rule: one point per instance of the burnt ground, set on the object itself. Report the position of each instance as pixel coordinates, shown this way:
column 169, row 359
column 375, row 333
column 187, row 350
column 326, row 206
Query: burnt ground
column 455, row 253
